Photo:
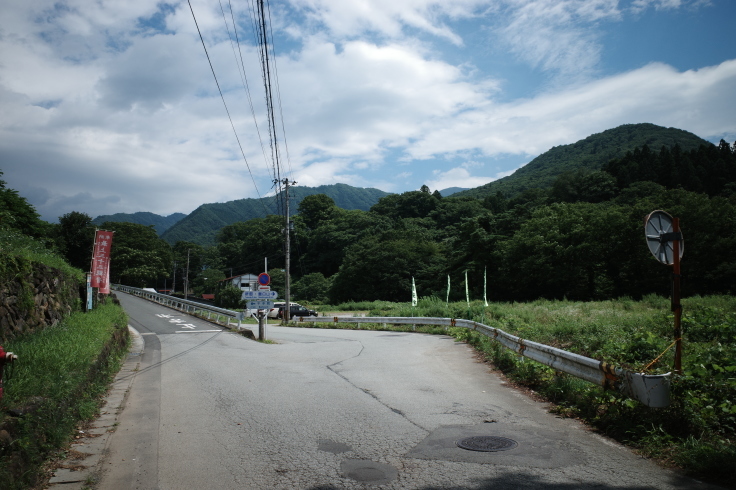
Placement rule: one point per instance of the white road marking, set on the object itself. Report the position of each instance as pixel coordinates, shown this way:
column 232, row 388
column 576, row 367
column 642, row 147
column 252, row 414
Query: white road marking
column 197, row 331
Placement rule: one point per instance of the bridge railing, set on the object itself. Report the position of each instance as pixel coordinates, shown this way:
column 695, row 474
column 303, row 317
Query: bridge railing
column 191, row 307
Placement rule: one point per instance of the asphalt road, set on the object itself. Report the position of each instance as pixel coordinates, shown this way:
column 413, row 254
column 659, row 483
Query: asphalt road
column 340, row 409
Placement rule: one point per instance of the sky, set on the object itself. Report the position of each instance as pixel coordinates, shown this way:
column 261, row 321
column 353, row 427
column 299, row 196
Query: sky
column 112, row 107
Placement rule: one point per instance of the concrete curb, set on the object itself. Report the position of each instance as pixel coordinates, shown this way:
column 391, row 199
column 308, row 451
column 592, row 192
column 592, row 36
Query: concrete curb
column 91, row 445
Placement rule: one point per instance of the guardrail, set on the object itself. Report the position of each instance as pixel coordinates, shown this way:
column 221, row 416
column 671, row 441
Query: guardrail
column 189, row 307
column 651, row 390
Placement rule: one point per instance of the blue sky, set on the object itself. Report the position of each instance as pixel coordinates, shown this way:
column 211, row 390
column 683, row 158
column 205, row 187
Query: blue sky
column 111, row 106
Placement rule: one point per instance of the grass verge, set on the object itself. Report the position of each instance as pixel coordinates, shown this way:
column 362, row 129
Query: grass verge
column 59, row 380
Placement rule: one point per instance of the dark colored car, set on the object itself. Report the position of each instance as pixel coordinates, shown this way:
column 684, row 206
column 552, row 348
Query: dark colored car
column 296, row 310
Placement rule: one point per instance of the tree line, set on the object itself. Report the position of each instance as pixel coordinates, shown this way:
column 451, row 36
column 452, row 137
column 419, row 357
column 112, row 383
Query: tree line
column 582, row 238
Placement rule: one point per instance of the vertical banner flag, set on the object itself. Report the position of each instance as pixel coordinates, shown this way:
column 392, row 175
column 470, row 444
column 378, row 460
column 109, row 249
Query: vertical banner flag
column 485, row 281
column 413, row 292
column 101, row 261
column 447, row 301
column 467, row 295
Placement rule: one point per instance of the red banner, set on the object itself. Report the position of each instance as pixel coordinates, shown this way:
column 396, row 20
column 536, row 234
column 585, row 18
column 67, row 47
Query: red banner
column 101, row 261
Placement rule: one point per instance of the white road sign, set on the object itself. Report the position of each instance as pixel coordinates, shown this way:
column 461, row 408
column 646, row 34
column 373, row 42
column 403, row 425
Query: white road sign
column 260, row 304
column 260, row 295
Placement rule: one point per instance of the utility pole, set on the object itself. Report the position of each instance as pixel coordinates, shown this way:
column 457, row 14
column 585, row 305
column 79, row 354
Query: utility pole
column 173, row 286
column 186, row 281
column 287, row 253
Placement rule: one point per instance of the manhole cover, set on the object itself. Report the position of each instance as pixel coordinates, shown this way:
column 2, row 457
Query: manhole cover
column 486, row 443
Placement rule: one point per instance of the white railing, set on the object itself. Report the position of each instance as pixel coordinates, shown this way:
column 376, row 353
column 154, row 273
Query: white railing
column 651, row 390
column 186, row 306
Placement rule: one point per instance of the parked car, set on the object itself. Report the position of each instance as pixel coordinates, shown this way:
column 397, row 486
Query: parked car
column 274, row 312
column 296, row 310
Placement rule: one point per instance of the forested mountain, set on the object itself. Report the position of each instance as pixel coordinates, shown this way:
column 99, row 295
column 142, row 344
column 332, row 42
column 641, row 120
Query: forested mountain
column 580, row 236
column 588, row 154
column 202, row 225
column 160, row 223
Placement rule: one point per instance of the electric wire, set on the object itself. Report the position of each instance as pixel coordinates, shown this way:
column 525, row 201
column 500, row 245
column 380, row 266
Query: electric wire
column 266, row 75
column 278, row 92
column 242, row 152
column 241, row 71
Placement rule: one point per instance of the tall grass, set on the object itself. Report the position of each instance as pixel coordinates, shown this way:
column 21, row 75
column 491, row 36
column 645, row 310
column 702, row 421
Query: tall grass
column 16, row 244
column 58, row 379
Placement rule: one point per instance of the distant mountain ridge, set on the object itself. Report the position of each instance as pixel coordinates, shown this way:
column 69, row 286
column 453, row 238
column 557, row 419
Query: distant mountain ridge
column 160, row 223
column 452, row 190
column 202, row 224
column 590, row 153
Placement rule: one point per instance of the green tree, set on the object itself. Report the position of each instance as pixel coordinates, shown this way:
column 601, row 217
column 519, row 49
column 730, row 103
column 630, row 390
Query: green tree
column 414, row 204
column 312, row 287
column 138, row 256
column 75, row 236
column 188, row 258
column 243, row 245
column 16, row 213
column 326, row 245
column 207, row 282
column 563, row 250
column 230, row 297
column 583, row 186
column 278, row 281
column 316, row 209
column 376, row 269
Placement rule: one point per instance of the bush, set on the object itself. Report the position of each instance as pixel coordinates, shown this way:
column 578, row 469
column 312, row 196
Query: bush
column 230, row 297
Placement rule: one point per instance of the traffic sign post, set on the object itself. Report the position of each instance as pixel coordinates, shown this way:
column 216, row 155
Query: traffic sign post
column 259, row 304
column 664, row 239
column 267, row 294
column 264, row 279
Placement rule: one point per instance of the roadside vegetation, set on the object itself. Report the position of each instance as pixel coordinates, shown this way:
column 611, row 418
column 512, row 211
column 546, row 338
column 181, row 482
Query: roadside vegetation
column 697, row 432
column 58, row 381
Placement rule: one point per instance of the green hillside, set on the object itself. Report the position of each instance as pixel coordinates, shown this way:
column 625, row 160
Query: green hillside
column 160, row 223
column 203, row 223
column 590, row 153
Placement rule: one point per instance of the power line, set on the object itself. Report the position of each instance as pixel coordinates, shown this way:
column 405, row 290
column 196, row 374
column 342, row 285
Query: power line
column 242, row 152
column 241, row 71
column 278, row 94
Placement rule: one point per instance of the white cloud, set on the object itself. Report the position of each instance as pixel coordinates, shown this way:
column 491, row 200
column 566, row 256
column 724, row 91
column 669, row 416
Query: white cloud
column 640, row 5
column 348, row 19
column 457, row 177
column 700, row 101
column 107, row 112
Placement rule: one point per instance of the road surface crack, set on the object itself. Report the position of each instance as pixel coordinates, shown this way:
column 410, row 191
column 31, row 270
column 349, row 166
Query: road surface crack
column 368, row 392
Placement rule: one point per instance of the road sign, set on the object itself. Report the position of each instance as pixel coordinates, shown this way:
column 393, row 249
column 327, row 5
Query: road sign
column 661, row 236
column 264, row 288
column 264, row 279
column 260, row 304
column 260, row 295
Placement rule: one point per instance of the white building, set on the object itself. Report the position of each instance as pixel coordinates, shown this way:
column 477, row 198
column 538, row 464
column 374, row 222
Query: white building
column 246, row 282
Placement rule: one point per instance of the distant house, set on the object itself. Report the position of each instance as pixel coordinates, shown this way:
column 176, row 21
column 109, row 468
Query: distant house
column 246, row 282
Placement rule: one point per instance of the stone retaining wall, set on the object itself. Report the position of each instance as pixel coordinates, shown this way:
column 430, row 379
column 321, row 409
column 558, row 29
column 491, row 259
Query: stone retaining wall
column 34, row 296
